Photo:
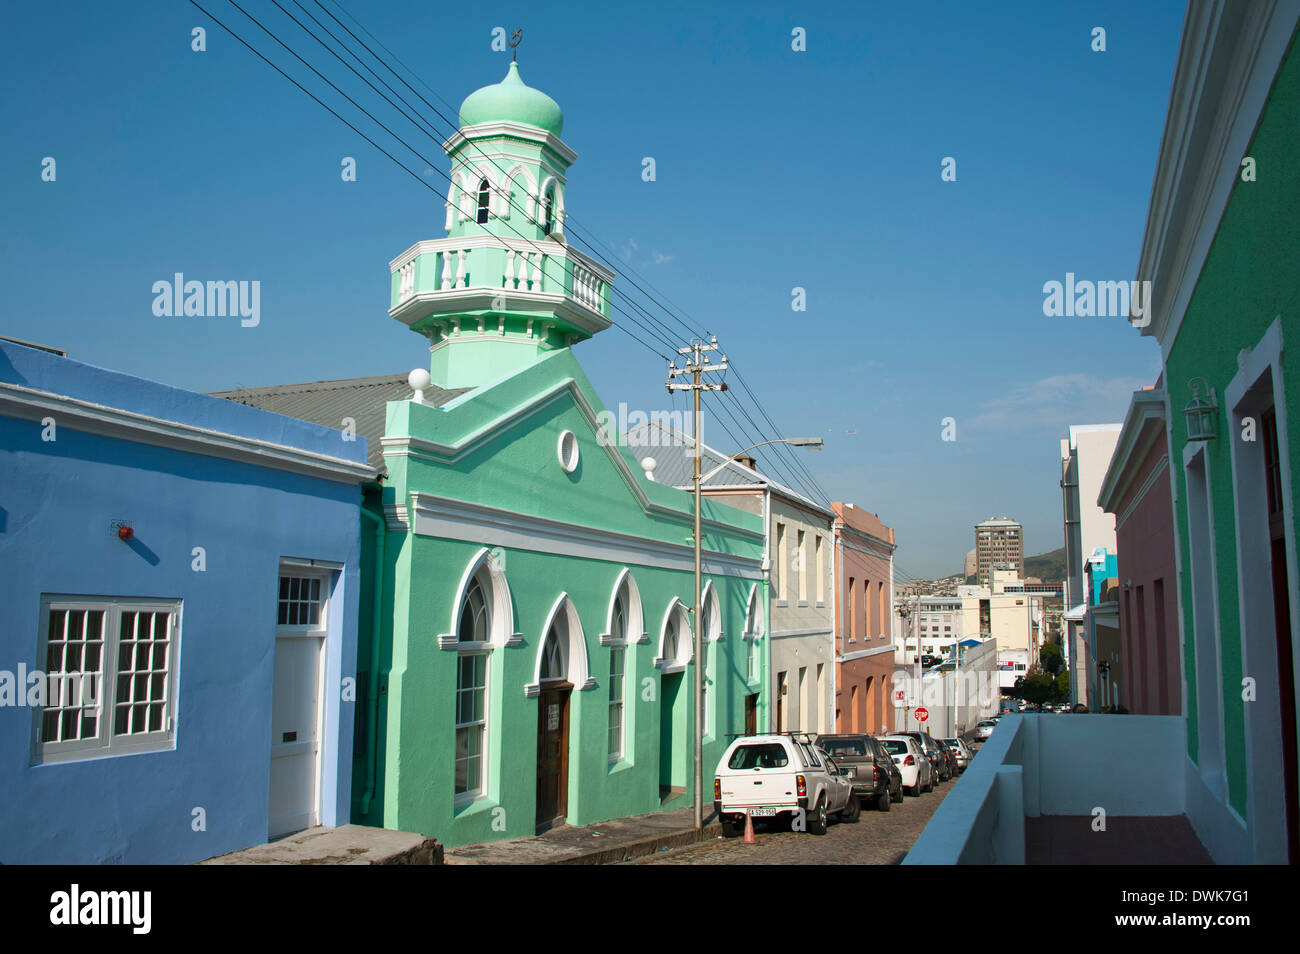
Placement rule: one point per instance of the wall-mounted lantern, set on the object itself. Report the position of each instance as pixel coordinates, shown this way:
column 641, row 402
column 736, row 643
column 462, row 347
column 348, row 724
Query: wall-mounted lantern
column 1201, row 413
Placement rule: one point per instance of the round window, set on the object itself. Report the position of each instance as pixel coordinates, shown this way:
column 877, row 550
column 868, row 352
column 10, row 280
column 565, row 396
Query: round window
column 568, row 451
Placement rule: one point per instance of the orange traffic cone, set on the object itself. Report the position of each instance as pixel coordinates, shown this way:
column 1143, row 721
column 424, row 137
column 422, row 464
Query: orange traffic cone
column 749, row 830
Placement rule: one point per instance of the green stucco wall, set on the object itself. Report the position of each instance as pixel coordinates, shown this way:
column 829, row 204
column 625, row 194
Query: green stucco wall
column 1249, row 279
column 505, row 434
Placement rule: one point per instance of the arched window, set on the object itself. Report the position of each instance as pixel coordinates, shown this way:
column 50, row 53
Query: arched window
column 562, row 653
column 474, row 633
column 675, row 644
column 555, row 662
column 484, row 194
column 476, row 610
column 626, row 628
column 711, row 616
column 548, row 213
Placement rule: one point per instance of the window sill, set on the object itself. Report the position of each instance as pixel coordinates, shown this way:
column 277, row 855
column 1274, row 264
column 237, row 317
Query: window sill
column 467, row 806
column 91, row 753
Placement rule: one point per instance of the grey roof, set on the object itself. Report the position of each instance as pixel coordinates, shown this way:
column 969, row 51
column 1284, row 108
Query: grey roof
column 329, row 402
column 674, row 464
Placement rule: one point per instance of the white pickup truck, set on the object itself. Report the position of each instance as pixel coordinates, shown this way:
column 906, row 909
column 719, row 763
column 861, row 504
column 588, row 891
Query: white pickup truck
column 783, row 777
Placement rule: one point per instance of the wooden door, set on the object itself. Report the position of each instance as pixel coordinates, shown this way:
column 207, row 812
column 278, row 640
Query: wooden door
column 553, row 755
column 751, row 714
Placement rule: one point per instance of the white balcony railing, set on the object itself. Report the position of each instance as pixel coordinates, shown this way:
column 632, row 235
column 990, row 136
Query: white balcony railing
column 1035, row 765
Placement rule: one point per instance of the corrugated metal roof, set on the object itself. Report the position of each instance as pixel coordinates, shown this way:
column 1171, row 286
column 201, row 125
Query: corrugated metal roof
column 674, row 464
column 329, row 402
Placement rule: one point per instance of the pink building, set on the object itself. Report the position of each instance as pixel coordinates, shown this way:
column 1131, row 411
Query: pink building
column 1136, row 490
column 864, row 599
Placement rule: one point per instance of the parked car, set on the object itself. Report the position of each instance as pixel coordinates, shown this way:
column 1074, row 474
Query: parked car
column 915, row 768
column 962, row 751
column 944, row 766
column 781, row 777
column 876, row 779
column 985, row 729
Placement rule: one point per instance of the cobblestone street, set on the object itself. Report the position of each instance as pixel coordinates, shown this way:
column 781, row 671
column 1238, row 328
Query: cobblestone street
column 878, row 838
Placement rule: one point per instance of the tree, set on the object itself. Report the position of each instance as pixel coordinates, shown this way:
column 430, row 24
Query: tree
column 1037, row 688
column 1063, row 684
column 1052, row 657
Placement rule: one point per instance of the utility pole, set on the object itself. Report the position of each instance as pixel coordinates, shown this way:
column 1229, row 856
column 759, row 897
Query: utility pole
column 916, row 616
column 905, row 614
column 697, row 365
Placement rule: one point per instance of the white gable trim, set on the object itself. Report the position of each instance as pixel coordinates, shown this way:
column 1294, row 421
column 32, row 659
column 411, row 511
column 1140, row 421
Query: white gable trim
column 451, row 453
column 1228, row 58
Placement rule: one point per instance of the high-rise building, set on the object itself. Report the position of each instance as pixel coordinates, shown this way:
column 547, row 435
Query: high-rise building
column 1000, row 544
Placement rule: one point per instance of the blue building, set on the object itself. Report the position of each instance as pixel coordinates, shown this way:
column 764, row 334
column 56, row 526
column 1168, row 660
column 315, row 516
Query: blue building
column 178, row 616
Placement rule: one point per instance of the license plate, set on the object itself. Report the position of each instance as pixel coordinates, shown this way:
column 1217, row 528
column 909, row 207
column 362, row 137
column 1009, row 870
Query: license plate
column 762, row 812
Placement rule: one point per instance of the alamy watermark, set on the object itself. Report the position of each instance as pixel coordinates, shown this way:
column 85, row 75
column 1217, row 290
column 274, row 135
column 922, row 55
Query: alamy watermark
column 1087, row 299
column 36, row 688
column 194, row 299
column 632, row 428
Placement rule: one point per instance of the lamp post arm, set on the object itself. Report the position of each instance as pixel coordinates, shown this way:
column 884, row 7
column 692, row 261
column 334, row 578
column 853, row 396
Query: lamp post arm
column 730, row 459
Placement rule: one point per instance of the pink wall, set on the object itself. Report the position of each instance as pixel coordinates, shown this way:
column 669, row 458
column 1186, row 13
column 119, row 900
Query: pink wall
column 1148, row 615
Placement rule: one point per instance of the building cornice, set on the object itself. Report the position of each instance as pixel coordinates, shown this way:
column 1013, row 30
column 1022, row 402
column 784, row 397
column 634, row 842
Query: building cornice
column 434, row 516
column 478, row 132
column 1144, row 425
column 1228, row 57
column 33, row 404
column 483, row 299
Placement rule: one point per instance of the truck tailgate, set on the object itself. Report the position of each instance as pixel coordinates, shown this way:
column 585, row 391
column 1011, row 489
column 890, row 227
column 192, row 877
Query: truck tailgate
column 759, row 789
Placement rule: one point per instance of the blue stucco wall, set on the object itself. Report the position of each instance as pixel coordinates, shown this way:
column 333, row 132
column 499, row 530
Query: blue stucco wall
column 57, row 503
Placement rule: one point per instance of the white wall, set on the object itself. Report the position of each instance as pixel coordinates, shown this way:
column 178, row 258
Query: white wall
column 1056, row 765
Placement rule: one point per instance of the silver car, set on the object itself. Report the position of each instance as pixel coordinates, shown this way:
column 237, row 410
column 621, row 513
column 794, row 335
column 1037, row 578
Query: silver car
column 963, row 751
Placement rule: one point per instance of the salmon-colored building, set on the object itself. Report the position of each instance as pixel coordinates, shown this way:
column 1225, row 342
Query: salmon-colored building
column 1136, row 490
column 864, row 597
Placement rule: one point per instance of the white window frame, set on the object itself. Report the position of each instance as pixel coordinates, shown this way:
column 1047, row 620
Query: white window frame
column 617, row 752
column 473, row 794
column 107, row 743
column 752, row 635
column 321, row 626
column 500, row 627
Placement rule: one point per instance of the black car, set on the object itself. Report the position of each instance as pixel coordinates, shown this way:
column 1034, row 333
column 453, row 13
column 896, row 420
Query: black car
column 876, row 778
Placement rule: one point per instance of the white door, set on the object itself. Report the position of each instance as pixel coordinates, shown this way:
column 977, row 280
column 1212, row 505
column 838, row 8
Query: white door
column 295, row 734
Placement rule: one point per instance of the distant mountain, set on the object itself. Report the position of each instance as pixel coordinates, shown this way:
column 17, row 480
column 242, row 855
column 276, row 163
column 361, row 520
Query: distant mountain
column 1048, row 567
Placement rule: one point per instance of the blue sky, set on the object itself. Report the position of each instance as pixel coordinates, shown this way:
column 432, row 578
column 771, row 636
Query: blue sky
column 775, row 169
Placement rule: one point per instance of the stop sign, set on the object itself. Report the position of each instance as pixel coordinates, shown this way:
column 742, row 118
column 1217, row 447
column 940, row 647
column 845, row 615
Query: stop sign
column 922, row 713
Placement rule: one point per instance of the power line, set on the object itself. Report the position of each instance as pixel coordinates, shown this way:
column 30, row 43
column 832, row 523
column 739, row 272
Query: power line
column 653, row 332
column 593, row 246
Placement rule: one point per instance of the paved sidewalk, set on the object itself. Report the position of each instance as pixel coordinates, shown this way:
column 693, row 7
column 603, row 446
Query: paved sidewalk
column 599, row 844
column 344, row 845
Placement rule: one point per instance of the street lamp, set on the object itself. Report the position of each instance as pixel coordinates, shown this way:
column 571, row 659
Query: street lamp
column 813, row 443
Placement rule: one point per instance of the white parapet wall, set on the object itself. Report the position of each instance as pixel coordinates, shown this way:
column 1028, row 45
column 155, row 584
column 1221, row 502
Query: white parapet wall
column 1055, row 765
